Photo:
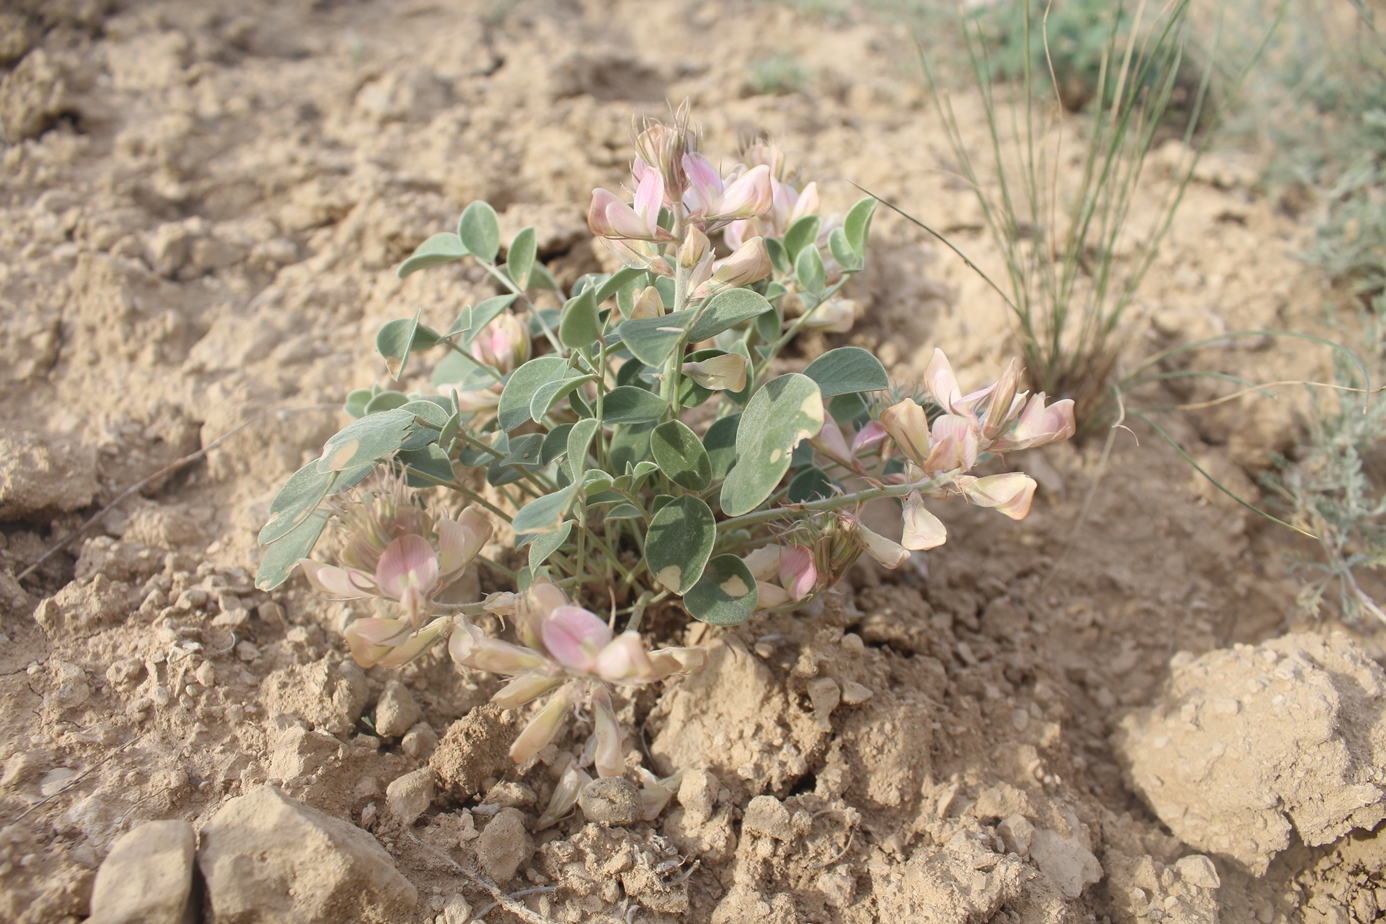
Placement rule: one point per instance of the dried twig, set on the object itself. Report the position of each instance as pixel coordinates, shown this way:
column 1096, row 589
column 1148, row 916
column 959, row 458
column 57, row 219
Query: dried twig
column 502, row 899
column 166, row 470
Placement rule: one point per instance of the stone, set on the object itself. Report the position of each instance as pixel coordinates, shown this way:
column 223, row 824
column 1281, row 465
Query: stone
column 147, row 877
column 419, row 742
column 410, row 795
column 1198, row 870
column 269, row 859
column 298, row 752
column 396, row 712
column 766, row 815
column 1248, row 747
column 456, row 910
column 329, row 696
column 39, row 478
column 698, row 796
column 611, row 801
column 1068, row 863
column 505, row 845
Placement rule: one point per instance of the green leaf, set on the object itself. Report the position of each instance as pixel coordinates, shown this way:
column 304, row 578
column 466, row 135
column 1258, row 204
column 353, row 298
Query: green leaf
column 810, row 484
column 679, row 542
column 579, row 438
column 372, row 437
column 858, row 224
column 550, row 393
column 629, row 404
column 595, row 481
column 842, row 250
column 788, row 410
column 386, row 401
column 519, row 259
column 720, row 443
column 848, row 408
column 513, row 409
column 296, row 500
column 544, row 513
column 779, row 257
column 725, row 595
column 434, row 415
column 726, row 310
column 809, row 269
column 803, row 233
column 400, row 337
column 555, row 443
column 579, row 325
column 525, row 450
column 546, row 544
column 443, row 247
column 430, row 461
column 623, row 512
column 652, row 340
column 479, row 231
column 356, row 402
column 281, row 557
column 459, row 372
column 617, row 281
column 629, row 446
column 847, row 369
column 681, row 456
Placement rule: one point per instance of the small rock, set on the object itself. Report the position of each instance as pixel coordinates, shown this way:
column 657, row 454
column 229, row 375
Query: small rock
column 456, row 910
column 419, row 741
column 824, row 694
column 1067, row 863
column 698, row 796
column 504, row 845
column 854, row 693
column 1198, row 870
column 767, row 816
column 410, row 795
column 147, row 877
column 1017, row 834
column 396, row 712
column 39, row 479
column 298, row 752
column 270, row 859
column 611, row 801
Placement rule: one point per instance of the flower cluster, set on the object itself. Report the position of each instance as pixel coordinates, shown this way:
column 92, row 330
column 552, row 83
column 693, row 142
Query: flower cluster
column 572, row 654
column 995, row 419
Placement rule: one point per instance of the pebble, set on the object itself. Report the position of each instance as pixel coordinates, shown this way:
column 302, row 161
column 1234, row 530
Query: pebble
column 147, row 876
column 854, row 693
column 316, row 869
column 767, row 816
column 409, row 796
column 419, row 742
column 611, row 801
column 504, row 845
column 396, row 712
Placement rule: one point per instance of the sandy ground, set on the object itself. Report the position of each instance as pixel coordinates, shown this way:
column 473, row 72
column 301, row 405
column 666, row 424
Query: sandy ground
column 1094, row 715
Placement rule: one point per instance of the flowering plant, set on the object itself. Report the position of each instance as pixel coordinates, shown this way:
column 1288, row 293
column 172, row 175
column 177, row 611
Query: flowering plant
column 645, row 444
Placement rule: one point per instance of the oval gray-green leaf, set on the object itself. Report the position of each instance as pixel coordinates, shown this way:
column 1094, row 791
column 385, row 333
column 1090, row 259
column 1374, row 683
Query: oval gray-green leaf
column 720, row 443
column 681, row 456
column 374, row 436
column 808, row 267
column 546, row 544
column 519, row 259
column 617, row 281
column 434, row 415
column 579, row 325
column 513, row 409
column 630, row 404
column 726, row 310
column 858, row 224
column 296, row 500
column 679, row 542
column 398, row 337
column 652, row 340
column 550, row 393
column 544, row 513
column 386, row 401
column 847, row 369
column 443, row 247
column 787, row 411
column 579, row 439
column 803, row 233
column 725, row 595
column 479, row 231
column 281, row 557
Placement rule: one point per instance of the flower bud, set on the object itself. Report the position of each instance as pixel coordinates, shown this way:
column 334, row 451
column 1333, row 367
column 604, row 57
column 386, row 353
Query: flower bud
column 923, row 530
column 526, row 688
column 748, row 195
column 608, row 756
column 721, row 373
column 1002, row 397
column 908, row 426
column 798, row 574
column 1039, row 425
column 543, row 728
column 648, row 305
column 747, row 264
column 565, row 796
column 695, row 246
column 942, row 385
column 1010, row 493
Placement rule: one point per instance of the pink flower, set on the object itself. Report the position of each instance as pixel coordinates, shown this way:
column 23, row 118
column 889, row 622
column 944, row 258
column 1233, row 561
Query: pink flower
column 923, row 530
column 609, row 217
column 1039, row 425
column 747, row 264
column 1010, row 493
column 391, row 642
column 721, row 373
